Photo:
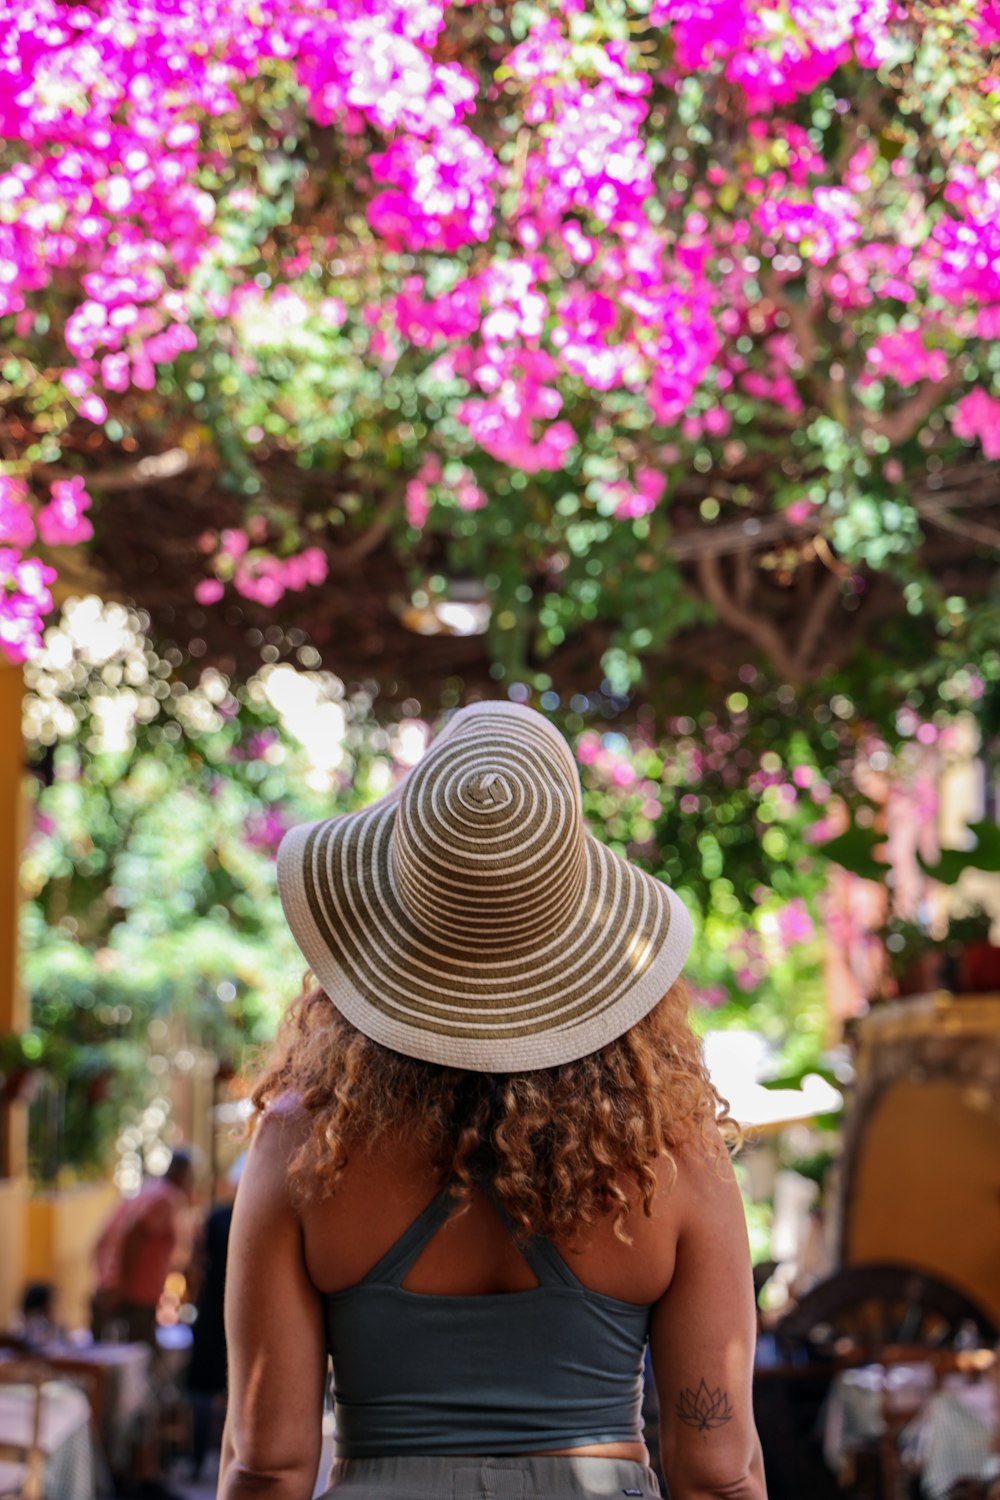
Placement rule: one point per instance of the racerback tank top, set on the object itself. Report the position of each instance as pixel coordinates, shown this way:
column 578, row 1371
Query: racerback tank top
column 558, row 1366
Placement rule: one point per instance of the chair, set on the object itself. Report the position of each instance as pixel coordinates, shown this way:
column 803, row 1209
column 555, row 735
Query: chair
column 22, row 1459
column 882, row 1313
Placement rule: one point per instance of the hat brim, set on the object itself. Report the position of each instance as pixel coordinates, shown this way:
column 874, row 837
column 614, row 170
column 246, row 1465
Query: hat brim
column 499, row 1010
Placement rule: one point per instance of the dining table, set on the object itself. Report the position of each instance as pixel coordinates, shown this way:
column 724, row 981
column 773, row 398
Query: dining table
column 71, row 1465
column 115, row 1379
column 939, row 1426
column 955, row 1437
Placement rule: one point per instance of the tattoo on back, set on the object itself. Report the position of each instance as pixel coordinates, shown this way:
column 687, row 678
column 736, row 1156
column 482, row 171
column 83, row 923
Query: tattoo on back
column 704, row 1409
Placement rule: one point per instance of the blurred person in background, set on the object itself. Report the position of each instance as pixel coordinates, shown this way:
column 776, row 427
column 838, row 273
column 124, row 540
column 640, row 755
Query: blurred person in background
column 206, row 1372
column 138, row 1245
column 145, row 1238
column 35, row 1326
column 488, row 1165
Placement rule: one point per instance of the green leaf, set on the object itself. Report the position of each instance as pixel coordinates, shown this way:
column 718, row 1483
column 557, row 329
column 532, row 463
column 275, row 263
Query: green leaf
column 855, row 851
column 953, row 863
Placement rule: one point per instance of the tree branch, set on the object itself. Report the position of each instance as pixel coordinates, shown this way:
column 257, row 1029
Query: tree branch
column 900, row 425
column 763, row 634
column 819, row 613
column 989, row 536
column 738, row 536
column 368, row 540
column 743, row 566
column 155, row 468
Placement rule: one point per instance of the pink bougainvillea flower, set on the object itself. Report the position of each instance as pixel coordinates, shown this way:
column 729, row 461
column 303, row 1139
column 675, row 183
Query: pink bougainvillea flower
column 639, row 499
column 794, row 923
column 25, row 599
column 305, row 569
column 985, row 23
column 819, row 227
column 903, row 356
column 63, row 521
column 977, row 415
column 17, row 525
column 437, row 199
column 209, row 591
column 703, row 29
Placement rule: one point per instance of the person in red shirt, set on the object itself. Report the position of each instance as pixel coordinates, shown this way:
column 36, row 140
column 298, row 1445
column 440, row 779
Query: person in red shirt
column 136, row 1250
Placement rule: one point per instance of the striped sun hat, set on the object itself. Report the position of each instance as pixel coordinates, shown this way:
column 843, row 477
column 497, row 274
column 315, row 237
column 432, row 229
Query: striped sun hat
column 470, row 919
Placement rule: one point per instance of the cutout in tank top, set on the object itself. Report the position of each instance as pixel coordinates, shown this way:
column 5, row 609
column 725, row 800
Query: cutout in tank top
column 555, row 1366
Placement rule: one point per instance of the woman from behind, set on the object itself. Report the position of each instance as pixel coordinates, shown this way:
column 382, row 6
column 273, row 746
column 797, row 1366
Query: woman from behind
column 488, row 1166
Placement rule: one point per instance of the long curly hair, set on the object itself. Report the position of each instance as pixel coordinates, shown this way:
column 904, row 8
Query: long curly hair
column 561, row 1146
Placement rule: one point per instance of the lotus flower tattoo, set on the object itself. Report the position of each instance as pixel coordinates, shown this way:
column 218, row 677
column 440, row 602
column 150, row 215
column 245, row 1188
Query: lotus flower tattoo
column 703, row 1408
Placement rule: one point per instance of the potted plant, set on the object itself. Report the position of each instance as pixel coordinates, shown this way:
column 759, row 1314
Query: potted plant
column 922, row 955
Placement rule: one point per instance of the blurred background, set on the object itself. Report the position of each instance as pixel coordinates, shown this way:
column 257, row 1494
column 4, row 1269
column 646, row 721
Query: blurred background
column 635, row 361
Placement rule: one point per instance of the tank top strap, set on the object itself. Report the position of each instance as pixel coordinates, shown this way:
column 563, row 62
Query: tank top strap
column 543, row 1257
column 397, row 1260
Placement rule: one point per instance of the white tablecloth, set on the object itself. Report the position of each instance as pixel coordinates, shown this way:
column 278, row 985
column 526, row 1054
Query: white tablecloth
column 954, row 1438
column 124, row 1369
column 70, row 1468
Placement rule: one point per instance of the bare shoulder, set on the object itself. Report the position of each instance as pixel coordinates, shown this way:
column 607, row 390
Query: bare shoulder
column 705, row 1173
column 277, row 1136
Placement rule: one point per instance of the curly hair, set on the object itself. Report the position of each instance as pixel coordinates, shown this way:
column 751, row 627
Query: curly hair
column 560, row 1146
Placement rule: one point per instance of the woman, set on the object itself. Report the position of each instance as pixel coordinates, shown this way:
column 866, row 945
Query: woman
column 488, row 1165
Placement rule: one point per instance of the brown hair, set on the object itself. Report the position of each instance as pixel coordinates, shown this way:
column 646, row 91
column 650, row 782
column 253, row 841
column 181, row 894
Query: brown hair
column 561, row 1146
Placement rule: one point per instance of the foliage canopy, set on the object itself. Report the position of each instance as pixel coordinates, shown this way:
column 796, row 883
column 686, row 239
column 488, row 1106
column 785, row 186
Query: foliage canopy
column 585, row 324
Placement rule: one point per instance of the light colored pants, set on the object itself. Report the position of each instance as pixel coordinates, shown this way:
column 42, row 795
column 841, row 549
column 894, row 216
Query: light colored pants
column 475, row 1478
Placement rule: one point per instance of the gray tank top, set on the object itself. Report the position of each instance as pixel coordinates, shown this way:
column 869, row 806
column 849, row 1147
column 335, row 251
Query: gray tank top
column 558, row 1366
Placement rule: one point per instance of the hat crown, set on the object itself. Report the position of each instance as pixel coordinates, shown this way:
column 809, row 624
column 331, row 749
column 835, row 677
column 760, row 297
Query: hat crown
column 488, row 844
column 485, row 792
column 469, row 919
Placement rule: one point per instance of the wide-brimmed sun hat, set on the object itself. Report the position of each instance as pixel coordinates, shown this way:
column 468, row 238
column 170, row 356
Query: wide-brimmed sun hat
column 469, row 918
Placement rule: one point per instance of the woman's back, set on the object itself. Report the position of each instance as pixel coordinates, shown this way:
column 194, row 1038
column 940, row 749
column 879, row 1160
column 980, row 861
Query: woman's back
column 488, row 1165
column 686, row 1273
column 380, row 1193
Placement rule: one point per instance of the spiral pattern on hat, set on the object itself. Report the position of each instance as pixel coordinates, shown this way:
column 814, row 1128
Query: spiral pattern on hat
column 488, row 841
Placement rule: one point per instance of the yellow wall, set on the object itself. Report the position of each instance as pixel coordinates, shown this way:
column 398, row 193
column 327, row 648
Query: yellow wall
column 61, row 1230
column 11, row 810
column 927, row 1186
column 12, row 1221
column 13, row 1014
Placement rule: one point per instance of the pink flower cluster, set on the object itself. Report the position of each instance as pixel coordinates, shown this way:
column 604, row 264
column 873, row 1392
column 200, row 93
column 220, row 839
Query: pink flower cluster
column 704, row 30
column 24, row 601
column 434, row 200
column 819, row 227
column 903, row 356
column 63, row 521
column 977, row 415
column 454, row 484
column 592, row 160
column 509, row 423
column 255, row 573
column 24, row 581
column 966, row 265
column 571, row 253
column 985, row 23
column 17, row 521
column 264, row 830
column 588, row 341
column 794, row 923
column 633, row 499
column 775, row 59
